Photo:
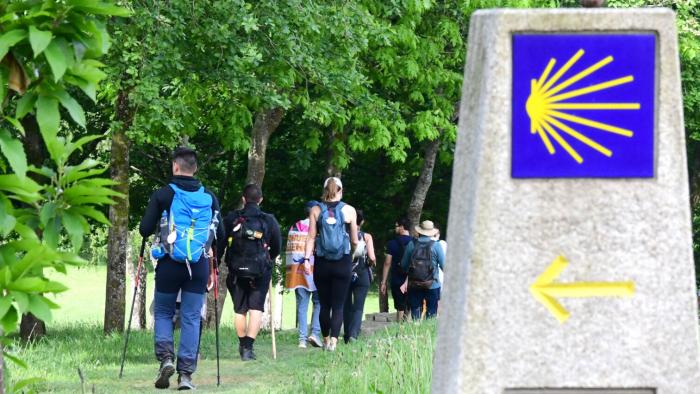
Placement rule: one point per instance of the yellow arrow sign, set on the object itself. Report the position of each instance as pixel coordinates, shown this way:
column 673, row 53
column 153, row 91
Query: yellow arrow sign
column 546, row 292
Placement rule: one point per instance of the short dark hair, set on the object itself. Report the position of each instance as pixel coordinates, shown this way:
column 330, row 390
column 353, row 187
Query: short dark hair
column 360, row 216
column 252, row 193
column 404, row 222
column 186, row 158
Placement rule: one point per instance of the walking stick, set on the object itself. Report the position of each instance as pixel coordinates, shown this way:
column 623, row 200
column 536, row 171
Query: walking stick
column 272, row 322
column 133, row 301
column 216, row 318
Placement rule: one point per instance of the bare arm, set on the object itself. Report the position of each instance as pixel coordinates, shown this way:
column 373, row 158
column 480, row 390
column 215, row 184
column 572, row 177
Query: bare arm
column 351, row 219
column 370, row 249
column 313, row 231
column 385, row 269
column 385, row 273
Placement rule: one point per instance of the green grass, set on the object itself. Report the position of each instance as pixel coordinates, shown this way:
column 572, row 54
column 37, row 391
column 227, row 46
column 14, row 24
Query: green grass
column 399, row 358
column 84, row 301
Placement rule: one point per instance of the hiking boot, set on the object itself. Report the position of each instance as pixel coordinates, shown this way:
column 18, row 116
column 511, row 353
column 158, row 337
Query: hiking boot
column 240, row 350
column 314, row 341
column 248, row 354
column 302, row 344
column 167, row 369
column 184, row 382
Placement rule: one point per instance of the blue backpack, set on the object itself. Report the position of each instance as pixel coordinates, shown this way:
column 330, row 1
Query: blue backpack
column 333, row 240
column 190, row 221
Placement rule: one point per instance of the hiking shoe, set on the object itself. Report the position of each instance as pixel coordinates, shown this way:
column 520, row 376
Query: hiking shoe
column 167, row 369
column 184, row 382
column 302, row 344
column 330, row 347
column 248, row 354
column 314, row 341
column 240, row 350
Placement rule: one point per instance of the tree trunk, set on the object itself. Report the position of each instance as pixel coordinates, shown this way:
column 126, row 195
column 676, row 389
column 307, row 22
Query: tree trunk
column 415, row 207
column 266, row 123
column 31, row 327
column 118, row 237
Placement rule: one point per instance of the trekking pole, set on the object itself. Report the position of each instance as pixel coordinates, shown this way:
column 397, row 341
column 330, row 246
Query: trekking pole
column 133, row 301
column 272, row 323
column 216, row 318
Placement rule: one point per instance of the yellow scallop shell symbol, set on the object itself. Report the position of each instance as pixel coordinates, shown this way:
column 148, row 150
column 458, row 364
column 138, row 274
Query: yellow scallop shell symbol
column 547, row 106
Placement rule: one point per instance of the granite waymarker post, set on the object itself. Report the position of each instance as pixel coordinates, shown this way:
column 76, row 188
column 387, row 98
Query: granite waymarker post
column 570, row 266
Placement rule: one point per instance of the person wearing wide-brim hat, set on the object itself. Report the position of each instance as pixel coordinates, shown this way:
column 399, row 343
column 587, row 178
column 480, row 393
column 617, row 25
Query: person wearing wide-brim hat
column 421, row 260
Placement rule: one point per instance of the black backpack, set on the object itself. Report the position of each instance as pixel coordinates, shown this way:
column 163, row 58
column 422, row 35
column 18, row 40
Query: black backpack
column 421, row 272
column 248, row 254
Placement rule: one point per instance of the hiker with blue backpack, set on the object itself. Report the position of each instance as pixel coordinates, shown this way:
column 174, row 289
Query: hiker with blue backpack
column 332, row 239
column 184, row 216
column 253, row 242
column 421, row 261
column 362, row 263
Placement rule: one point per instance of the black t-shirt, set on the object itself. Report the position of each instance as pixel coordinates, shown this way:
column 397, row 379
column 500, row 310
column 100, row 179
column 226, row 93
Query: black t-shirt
column 395, row 248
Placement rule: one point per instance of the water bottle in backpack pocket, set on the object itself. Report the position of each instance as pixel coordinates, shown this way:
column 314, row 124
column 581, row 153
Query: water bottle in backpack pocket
column 333, row 241
column 421, row 270
column 187, row 232
column 248, row 256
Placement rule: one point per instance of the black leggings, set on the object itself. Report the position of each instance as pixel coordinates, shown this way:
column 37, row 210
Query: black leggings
column 332, row 279
column 355, row 305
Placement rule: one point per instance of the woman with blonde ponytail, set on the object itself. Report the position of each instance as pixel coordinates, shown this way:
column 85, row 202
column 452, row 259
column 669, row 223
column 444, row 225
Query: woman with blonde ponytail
column 332, row 238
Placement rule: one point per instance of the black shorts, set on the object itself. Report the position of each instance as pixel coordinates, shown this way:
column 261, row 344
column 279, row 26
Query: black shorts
column 248, row 294
column 400, row 299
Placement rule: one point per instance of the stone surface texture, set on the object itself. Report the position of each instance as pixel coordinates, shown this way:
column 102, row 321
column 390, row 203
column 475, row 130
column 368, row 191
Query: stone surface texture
column 493, row 335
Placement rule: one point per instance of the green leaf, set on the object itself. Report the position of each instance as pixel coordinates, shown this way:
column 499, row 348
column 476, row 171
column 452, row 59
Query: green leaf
column 52, row 232
column 89, row 88
column 38, row 307
column 75, row 226
column 70, row 258
column 99, row 8
column 27, row 285
column 72, row 146
column 16, row 123
column 7, row 219
column 9, row 320
column 25, row 105
column 74, row 109
column 4, row 77
column 39, row 40
column 14, row 153
column 19, row 386
column 14, row 359
column 57, row 59
column 22, row 301
column 49, row 118
column 9, row 39
column 6, row 276
column 54, row 287
column 91, row 212
column 5, row 303
column 47, row 212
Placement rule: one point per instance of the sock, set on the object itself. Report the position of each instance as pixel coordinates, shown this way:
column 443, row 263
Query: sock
column 249, row 342
column 242, row 341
